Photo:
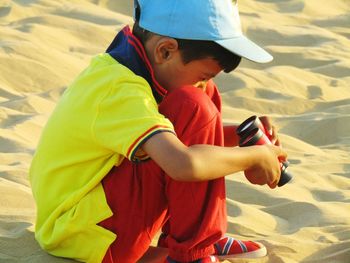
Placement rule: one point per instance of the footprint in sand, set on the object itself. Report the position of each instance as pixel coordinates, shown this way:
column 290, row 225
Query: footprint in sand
column 314, row 92
column 328, row 196
column 5, row 9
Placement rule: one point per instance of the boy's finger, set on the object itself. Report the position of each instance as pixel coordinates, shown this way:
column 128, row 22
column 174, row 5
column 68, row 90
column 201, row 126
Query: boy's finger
column 281, row 154
column 274, row 181
column 278, row 142
column 267, row 124
column 274, row 136
column 272, row 185
column 282, row 158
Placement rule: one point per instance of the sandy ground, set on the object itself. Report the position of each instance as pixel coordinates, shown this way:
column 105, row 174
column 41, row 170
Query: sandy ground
column 44, row 44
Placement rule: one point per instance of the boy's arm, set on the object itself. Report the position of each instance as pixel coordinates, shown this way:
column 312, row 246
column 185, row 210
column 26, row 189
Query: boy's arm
column 207, row 162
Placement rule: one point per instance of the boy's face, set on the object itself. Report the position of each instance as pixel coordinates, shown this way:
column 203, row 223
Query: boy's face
column 169, row 69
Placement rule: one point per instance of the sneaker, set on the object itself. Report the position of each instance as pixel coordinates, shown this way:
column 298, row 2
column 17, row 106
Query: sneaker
column 208, row 259
column 229, row 247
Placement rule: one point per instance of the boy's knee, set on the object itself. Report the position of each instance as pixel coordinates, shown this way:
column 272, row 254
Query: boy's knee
column 186, row 102
column 193, row 113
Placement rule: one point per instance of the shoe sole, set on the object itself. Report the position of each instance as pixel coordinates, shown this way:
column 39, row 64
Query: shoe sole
column 261, row 252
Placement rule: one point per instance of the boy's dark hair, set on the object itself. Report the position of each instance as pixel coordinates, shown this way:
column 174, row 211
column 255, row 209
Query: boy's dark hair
column 196, row 49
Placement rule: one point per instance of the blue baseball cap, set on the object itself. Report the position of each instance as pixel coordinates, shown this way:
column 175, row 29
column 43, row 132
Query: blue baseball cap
column 213, row 20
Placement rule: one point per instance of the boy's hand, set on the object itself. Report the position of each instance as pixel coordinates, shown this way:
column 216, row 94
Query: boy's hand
column 272, row 132
column 267, row 169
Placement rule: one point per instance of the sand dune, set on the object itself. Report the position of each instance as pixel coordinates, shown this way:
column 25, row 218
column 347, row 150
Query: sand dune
column 45, row 44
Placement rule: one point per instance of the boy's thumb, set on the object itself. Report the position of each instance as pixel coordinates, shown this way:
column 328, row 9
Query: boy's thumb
column 282, row 155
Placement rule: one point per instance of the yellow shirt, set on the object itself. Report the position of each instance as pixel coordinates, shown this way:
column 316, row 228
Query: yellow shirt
column 103, row 117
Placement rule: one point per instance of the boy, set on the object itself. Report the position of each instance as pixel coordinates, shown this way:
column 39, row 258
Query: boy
column 135, row 145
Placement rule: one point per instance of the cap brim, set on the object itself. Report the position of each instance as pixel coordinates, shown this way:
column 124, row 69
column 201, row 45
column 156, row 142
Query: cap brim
column 246, row 48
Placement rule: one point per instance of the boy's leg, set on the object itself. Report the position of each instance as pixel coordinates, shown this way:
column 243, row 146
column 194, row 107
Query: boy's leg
column 135, row 194
column 137, row 191
column 197, row 210
column 197, row 221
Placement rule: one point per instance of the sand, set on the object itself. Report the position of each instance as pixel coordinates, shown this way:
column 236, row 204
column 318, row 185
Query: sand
column 44, row 44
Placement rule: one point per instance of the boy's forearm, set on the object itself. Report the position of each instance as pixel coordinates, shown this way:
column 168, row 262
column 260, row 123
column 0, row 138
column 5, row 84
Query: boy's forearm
column 197, row 162
column 207, row 162
column 212, row 162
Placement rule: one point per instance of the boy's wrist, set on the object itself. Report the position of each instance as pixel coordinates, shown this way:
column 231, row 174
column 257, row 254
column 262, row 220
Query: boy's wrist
column 251, row 157
column 257, row 156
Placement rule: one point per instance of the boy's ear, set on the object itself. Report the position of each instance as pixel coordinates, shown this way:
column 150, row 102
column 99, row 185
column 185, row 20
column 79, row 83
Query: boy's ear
column 165, row 49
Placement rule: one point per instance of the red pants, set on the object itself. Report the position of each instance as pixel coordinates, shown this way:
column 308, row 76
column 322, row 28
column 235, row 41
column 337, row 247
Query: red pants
column 144, row 199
